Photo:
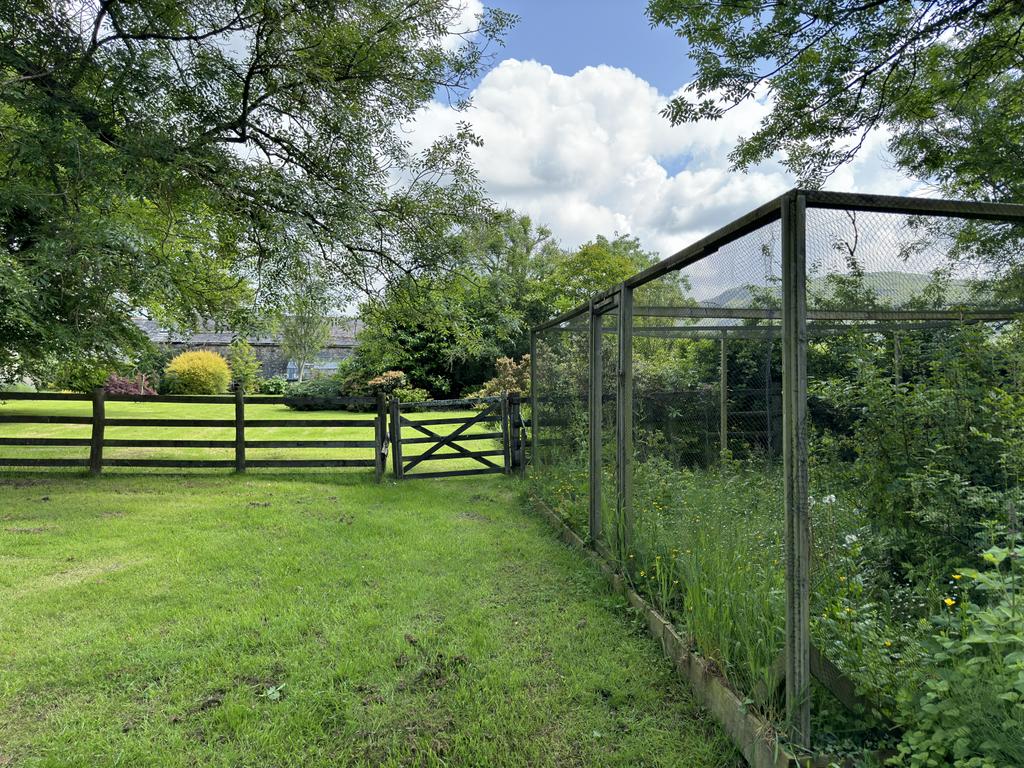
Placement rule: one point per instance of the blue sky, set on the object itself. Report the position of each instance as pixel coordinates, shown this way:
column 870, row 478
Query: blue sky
column 569, row 116
column 568, row 35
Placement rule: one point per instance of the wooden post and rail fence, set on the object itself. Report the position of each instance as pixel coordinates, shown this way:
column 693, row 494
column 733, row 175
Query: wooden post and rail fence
column 492, row 439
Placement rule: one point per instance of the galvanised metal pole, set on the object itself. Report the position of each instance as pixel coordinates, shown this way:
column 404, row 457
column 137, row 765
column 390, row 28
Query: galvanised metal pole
column 798, row 534
column 596, row 409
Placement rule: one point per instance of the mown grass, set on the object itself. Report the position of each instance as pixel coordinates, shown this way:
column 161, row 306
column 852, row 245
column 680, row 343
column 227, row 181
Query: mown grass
column 317, row 619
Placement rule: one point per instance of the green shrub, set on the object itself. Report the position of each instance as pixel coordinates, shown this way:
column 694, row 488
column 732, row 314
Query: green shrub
column 200, row 372
column 319, row 394
column 387, row 382
column 275, row 385
column 411, row 394
column 150, row 361
column 80, row 375
column 510, row 376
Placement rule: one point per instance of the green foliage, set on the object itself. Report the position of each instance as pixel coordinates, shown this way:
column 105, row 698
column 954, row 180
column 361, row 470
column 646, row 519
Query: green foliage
column 199, row 372
column 447, row 331
column 193, row 160
column 940, row 77
column 594, row 267
column 387, row 382
column 510, row 377
column 81, row 374
column 150, row 360
column 411, row 394
column 936, row 453
column 909, row 464
column 275, row 385
column 245, row 366
column 967, row 709
column 305, row 331
column 321, row 393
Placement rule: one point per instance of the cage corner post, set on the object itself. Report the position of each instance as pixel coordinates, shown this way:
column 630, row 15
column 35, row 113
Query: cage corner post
column 595, row 410
column 534, row 456
column 723, row 395
column 624, row 421
column 797, row 539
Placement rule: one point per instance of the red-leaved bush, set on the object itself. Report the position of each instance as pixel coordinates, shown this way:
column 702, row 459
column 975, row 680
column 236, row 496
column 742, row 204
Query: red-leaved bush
column 122, row 385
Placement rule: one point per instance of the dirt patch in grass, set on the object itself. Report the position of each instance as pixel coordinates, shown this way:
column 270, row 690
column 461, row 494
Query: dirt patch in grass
column 70, row 577
column 475, row 516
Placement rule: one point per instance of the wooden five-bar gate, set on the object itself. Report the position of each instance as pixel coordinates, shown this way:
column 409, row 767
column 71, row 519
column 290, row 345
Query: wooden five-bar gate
column 498, row 420
column 496, row 432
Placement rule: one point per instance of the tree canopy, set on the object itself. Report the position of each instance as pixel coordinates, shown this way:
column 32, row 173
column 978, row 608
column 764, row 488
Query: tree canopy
column 943, row 76
column 446, row 332
column 184, row 158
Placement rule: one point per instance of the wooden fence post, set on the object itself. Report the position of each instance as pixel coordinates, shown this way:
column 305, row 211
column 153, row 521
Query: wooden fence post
column 98, row 424
column 396, row 438
column 239, row 428
column 506, row 433
column 515, row 430
column 380, row 437
column 794, row 457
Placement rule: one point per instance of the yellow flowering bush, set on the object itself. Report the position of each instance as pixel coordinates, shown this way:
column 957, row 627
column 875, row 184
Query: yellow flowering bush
column 199, row 372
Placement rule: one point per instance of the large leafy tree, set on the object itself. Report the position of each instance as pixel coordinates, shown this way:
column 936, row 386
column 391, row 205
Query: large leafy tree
column 595, row 266
column 943, row 76
column 185, row 158
column 445, row 331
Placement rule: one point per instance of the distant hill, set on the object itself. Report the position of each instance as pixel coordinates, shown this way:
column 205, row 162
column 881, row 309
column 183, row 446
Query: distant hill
column 891, row 288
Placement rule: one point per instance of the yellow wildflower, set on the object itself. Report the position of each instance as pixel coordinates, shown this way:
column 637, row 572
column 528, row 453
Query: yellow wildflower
column 957, row 576
column 950, row 602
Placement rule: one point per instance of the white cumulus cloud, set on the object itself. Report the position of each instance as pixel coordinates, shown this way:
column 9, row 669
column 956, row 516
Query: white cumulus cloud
column 465, row 23
column 590, row 154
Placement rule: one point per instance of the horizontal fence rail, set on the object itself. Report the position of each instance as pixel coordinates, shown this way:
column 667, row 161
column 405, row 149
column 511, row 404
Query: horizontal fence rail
column 241, row 445
column 492, row 440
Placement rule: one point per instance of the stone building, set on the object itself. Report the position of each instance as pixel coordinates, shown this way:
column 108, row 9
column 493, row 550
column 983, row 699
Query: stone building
column 340, row 344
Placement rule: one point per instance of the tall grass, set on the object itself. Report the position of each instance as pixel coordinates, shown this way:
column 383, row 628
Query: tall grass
column 708, row 551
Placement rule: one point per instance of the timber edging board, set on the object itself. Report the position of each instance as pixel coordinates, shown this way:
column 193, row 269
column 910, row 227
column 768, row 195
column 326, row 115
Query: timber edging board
column 752, row 735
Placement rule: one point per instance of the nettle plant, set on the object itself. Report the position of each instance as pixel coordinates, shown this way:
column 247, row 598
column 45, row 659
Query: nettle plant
column 967, row 709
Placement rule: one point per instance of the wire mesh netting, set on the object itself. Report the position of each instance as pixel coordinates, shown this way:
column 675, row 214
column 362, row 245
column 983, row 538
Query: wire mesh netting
column 912, row 415
column 913, row 449
column 560, row 419
column 707, row 482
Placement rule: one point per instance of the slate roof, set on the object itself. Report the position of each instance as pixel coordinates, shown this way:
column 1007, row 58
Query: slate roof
column 342, row 335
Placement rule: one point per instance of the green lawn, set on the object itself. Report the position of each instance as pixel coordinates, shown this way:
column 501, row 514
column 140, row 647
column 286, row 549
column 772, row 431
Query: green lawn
column 317, row 619
column 143, row 410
